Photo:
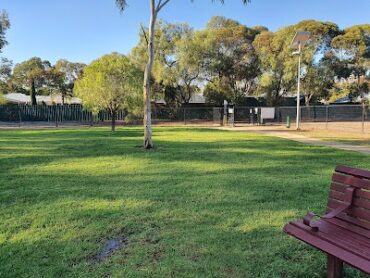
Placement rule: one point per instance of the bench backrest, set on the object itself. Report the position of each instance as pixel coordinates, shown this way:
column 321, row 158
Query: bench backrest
column 359, row 212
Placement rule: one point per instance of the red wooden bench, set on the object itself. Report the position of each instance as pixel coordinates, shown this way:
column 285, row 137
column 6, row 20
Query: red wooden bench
column 344, row 232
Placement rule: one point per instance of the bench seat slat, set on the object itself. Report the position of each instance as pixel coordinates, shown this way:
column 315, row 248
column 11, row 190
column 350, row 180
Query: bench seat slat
column 358, row 193
column 333, row 234
column 353, row 171
column 354, row 221
column 306, row 235
column 345, row 237
column 350, row 227
column 338, row 187
column 353, row 211
column 352, row 181
column 357, row 202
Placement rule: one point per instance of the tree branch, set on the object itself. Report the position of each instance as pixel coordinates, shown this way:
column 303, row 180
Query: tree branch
column 161, row 4
column 144, row 34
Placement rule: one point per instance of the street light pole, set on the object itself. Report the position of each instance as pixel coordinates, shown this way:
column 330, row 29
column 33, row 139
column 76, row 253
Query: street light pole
column 299, row 40
column 298, row 119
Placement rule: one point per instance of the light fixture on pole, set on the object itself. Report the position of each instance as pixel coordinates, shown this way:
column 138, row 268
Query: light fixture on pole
column 298, row 43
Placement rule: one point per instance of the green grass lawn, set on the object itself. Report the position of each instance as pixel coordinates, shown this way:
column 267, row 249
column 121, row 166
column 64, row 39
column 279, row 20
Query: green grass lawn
column 204, row 203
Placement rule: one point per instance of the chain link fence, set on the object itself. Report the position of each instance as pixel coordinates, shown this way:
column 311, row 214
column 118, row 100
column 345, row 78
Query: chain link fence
column 339, row 117
column 346, row 118
column 188, row 116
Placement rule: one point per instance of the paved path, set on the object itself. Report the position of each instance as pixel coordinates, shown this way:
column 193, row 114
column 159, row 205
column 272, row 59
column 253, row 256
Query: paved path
column 317, row 142
column 307, row 140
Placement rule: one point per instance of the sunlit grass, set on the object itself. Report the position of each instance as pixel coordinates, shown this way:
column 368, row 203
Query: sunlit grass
column 203, row 203
column 355, row 137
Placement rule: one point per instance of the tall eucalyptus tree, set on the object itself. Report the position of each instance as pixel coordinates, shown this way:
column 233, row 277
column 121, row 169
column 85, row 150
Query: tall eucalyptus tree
column 155, row 8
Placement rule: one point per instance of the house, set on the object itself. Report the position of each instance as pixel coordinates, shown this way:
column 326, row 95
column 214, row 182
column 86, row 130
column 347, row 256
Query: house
column 18, row 98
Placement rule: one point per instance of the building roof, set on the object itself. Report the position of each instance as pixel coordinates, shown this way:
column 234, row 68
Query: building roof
column 49, row 100
column 195, row 99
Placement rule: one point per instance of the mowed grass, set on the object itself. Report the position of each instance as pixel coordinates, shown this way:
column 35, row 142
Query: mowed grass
column 203, row 203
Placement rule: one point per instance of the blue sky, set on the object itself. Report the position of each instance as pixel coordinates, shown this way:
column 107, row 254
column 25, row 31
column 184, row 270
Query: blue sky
column 83, row 30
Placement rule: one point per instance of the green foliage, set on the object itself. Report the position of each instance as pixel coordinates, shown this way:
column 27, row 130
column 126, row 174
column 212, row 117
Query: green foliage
column 5, row 75
column 240, row 61
column 218, row 90
column 354, row 42
column 62, row 76
column 5, row 65
column 280, row 67
column 110, row 83
column 171, row 70
column 155, row 8
column 353, row 47
column 277, row 65
column 4, row 26
column 354, row 90
column 30, row 77
column 205, row 203
column 229, row 56
column 317, row 82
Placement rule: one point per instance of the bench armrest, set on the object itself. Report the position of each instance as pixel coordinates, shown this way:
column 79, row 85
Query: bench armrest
column 314, row 224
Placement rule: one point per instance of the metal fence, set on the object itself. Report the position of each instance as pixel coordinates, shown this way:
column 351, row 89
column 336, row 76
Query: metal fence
column 348, row 118
column 52, row 115
column 187, row 116
column 343, row 117
column 253, row 115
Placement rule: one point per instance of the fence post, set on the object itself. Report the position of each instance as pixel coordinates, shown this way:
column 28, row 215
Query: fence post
column 326, row 116
column 56, row 116
column 184, row 115
column 48, row 113
column 19, row 115
column 363, row 116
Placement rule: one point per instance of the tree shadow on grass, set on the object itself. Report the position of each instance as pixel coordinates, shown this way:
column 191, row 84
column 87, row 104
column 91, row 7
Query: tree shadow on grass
column 208, row 203
column 95, row 145
column 180, row 244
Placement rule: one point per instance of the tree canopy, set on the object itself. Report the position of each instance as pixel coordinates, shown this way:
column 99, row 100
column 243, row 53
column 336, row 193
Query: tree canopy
column 30, row 77
column 155, row 7
column 4, row 26
column 110, row 83
column 62, row 77
column 226, row 60
column 6, row 67
column 353, row 47
column 229, row 58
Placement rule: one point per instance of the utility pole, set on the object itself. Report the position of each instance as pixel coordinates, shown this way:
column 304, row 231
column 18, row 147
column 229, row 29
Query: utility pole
column 298, row 42
column 298, row 120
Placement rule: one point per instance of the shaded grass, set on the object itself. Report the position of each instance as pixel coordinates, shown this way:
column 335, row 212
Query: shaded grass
column 204, row 203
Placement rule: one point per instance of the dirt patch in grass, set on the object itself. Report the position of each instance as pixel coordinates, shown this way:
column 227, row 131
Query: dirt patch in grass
column 110, row 247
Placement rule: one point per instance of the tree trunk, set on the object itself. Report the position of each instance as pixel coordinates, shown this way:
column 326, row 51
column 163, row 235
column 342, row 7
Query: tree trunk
column 114, row 116
column 307, row 100
column 33, row 93
column 148, row 144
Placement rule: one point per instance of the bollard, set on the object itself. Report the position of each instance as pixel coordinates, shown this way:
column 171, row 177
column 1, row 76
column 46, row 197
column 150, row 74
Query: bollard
column 287, row 122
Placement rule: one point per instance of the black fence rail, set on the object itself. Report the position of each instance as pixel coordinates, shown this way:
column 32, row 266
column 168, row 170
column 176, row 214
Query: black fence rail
column 187, row 115
column 58, row 114
column 348, row 116
column 325, row 113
